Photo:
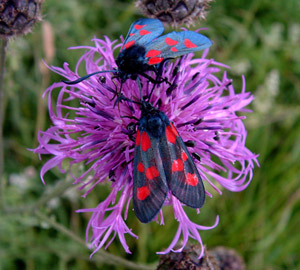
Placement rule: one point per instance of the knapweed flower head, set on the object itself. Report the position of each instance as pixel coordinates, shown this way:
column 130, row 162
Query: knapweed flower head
column 176, row 12
column 91, row 129
column 18, row 17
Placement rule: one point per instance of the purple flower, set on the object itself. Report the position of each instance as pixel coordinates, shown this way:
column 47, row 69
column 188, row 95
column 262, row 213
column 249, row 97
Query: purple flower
column 88, row 128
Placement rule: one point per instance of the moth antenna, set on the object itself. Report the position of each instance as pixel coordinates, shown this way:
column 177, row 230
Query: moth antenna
column 87, row 76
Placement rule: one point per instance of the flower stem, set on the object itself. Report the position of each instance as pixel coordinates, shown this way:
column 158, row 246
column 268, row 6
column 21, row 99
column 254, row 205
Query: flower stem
column 3, row 45
column 44, row 199
column 104, row 256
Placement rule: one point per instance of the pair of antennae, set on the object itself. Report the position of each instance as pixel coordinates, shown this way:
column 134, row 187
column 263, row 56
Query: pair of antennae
column 105, row 71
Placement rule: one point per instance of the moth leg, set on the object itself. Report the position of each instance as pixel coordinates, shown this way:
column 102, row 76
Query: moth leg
column 159, row 79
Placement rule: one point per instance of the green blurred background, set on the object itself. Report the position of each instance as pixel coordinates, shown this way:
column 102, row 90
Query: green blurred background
column 259, row 38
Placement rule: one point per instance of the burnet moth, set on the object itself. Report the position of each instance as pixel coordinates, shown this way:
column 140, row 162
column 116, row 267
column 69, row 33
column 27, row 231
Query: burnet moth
column 162, row 163
column 145, row 50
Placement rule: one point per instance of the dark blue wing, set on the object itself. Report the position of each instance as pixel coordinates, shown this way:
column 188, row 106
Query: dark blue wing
column 182, row 175
column 143, row 31
column 173, row 45
column 149, row 181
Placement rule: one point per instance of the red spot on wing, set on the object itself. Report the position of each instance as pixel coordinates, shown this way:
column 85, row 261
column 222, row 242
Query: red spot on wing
column 155, row 60
column 177, row 165
column 131, row 34
column 129, row 44
column 174, row 49
column 152, row 173
column 138, row 138
column 191, row 179
column 140, row 167
column 189, row 44
column 143, row 193
column 184, row 156
column 152, row 53
column 170, row 41
column 171, row 137
column 145, row 141
column 144, row 32
column 139, row 26
column 174, row 130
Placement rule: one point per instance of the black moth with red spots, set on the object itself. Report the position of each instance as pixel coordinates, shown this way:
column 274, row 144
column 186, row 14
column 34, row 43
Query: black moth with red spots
column 145, row 50
column 162, row 163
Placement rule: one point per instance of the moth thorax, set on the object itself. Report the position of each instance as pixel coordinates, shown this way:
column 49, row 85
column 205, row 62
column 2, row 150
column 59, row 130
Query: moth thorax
column 155, row 126
column 131, row 60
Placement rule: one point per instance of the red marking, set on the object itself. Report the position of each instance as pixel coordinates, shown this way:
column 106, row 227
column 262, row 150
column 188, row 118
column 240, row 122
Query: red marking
column 144, row 32
column 173, row 49
column 189, row 44
column 152, row 173
column 138, row 138
column 129, row 44
column 140, row 167
column 191, row 179
column 171, row 137
column 170, row 41
column 155, row 60
column 138, row 26
column 143, row 193
column 184, row 156
column 152, row 53
column 145, row 141
column 131, row 34
column 177, row 165
column 174, row 130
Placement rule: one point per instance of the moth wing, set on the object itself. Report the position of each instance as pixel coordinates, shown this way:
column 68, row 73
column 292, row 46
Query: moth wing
column 150, row 188
column 143, row 31
column 182, row 176
column 173, row 45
